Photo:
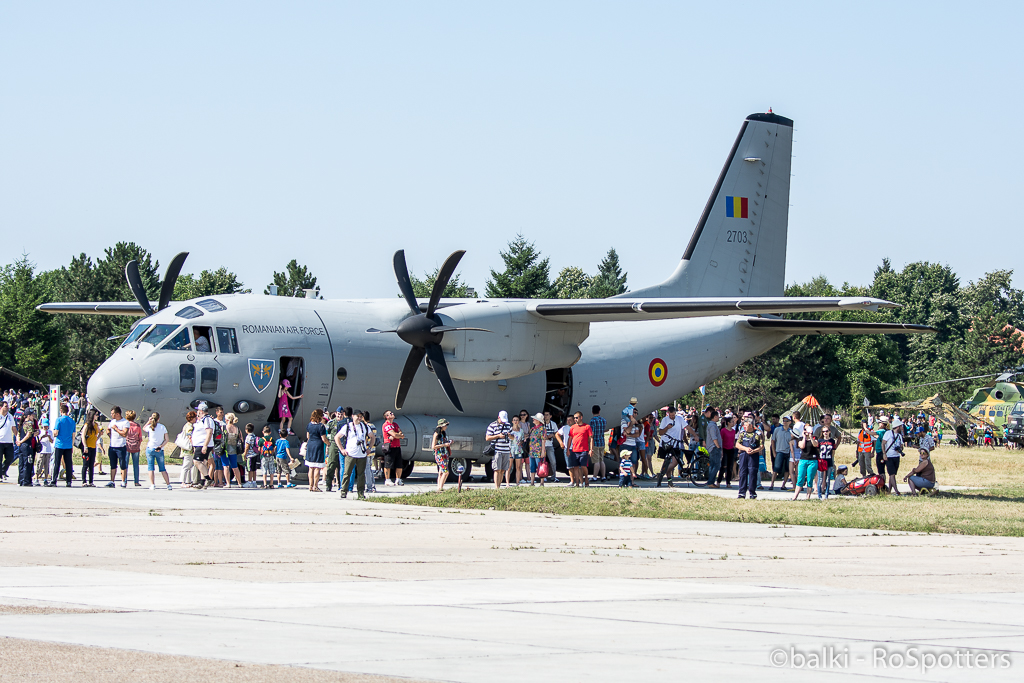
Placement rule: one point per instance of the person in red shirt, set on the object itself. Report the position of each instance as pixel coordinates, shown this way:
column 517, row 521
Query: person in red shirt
column 393, row 463
column 581, row 445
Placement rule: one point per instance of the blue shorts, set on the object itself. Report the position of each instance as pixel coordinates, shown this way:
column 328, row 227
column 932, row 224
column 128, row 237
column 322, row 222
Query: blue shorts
column 921, row 482
column 582, row 459
column 229, row 460
column 572, row 459
column 118, row 457
column 155, row 459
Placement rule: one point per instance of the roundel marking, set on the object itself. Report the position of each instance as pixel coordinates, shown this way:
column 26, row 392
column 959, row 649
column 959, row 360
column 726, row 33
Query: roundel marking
column 657, row 372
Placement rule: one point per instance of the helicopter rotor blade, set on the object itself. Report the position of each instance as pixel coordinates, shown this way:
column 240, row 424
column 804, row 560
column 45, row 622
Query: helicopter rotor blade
column 945, row 381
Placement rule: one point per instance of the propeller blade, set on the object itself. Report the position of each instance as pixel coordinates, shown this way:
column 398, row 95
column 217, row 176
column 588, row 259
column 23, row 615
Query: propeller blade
column 445, row 328
column 404, row 283
column 131, row 273
column 443, row 276
column 412, row 364
column 170, row 277
column 374, row 330
column 437, row 362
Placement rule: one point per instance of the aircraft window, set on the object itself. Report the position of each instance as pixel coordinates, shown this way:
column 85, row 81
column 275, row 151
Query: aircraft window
column 1019, row 408
column 212, row 305
column 208, row 381
column 136, row 333
column 999, row 394
column 999, row 413
column 186, row 378
column 158, row 333
column 226, row 340
column 179, row 342
column 189, row 312
column 204, row 338
column 342, row 374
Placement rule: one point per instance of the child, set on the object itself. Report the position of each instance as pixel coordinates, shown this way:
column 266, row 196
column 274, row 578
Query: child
column 251, row 456
column 265, row 452
column 840, row 482
column 284, row 410
column 625, row 469
column 284, row 460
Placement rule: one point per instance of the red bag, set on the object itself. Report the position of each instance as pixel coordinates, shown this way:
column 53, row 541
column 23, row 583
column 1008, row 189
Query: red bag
column 543, row 471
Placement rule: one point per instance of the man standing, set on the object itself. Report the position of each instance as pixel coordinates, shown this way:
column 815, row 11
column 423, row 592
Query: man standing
column 714, row 446
column 337, row 421
column 550, row 428
column 7, row 431
column 702, row 426
column 352, row 443
column 581, row 447
column 64, row 436
column 750, row 445
column 630, row 430
column 202, row 444
column 892, row 446
column 671, row 432
column 865, row 445
column 118, row 451
column 392, row 439
column 598, row 426
column 498, row 434
column 828, row 426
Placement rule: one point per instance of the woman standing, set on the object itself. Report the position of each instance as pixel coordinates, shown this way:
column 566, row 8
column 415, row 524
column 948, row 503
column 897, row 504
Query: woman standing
column 440, row 444
column 45, row 437
column 232, row 437
column 517, row 436
column 91, row 443
column 157, row 439
column 188, row 465
column 133, row 442
column 25, row 445
column 316, row 442
column 728, row 451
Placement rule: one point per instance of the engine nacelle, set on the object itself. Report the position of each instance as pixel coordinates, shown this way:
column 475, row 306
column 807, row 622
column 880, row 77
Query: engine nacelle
column 518, row 343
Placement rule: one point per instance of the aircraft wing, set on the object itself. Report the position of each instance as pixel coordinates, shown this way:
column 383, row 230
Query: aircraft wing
column 835, row 327
column 95, row 308
column 606, row 310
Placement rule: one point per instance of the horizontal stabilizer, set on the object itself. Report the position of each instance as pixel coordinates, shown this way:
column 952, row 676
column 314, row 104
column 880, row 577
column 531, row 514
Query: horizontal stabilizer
column 607, row 310
column 834, row 327
column 95, row 308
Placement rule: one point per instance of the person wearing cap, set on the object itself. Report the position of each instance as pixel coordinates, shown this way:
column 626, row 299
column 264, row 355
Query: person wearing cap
column 202, row 444
column 440, row 444
column 537, row 438
column 498, row 433
column 781, row 439
column 892, row 445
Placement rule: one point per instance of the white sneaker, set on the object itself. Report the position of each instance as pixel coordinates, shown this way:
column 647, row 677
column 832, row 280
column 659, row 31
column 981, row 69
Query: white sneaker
column 400, row 482
column 152, row 487
column 388, row 482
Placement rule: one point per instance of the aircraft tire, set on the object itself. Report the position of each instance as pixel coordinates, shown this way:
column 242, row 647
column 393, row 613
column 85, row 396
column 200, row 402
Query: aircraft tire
column 407, row 469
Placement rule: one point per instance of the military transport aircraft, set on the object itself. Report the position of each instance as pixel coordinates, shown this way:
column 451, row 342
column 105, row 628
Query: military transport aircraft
column 713, row 313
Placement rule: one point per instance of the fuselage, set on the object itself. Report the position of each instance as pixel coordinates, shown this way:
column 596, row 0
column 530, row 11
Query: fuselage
column 323, row 348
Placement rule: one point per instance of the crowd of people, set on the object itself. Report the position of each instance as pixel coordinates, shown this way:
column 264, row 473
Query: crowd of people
column 342, row 449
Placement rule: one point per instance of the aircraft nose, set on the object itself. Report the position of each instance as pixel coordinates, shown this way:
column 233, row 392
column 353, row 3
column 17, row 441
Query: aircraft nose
column 115, row 384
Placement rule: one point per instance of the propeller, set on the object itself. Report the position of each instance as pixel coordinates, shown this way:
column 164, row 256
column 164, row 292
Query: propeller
column 131, row 273
column 423, row 331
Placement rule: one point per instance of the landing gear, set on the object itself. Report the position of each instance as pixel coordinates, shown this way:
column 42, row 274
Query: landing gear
column 407, row 470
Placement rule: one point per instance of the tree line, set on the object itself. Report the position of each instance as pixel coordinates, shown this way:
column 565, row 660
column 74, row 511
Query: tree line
column 978, row 323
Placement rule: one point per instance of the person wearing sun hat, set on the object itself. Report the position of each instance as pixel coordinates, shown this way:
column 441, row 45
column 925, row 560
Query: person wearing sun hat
column 892, row 447
column 440, row 444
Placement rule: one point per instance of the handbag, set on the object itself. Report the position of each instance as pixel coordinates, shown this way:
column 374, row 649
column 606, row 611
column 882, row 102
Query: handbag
column 543, row 470
column 183, row 441
column 489, row 449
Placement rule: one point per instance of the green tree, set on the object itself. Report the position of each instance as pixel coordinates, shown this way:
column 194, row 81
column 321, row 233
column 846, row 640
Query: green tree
column 85, row 336
column 572, row 283
column 455, row 289
column 526, row 275
column 30, row 341
column 610, row 280
column 112, row 284
column 293, row 280
column 209, row 283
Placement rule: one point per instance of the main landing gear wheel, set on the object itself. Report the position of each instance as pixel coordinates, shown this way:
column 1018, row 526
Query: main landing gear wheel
column 407, row 470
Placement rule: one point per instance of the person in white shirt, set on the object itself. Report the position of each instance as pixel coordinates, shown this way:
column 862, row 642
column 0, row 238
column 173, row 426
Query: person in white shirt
column 156, row 435
column 43, row 463
column 202, row 444
column 118, row 450
column 892, row 448
column 353, row 441
column 7, row 430
column 671, row 432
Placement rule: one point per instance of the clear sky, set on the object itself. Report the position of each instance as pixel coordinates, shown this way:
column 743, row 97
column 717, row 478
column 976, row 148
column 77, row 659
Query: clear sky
column 252, row 133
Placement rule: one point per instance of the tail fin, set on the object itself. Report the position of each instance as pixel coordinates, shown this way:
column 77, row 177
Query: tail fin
column 739, row 245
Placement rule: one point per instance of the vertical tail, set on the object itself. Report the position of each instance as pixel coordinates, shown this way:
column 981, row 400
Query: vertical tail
column 739, row 245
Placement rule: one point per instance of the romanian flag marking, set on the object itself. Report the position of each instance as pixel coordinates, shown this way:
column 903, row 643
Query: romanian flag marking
column 736, row 207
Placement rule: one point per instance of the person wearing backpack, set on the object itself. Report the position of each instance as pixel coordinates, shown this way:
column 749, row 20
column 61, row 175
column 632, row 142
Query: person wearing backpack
column 26, row 445
column 202, row 444
column 64, row 443
column 133, row 442
column 267, row 450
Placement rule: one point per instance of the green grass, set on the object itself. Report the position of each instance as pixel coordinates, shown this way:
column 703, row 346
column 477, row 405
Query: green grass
column 991, row 512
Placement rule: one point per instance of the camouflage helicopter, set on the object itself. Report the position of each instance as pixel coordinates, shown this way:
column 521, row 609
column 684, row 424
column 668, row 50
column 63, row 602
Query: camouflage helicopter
column 1000, row 402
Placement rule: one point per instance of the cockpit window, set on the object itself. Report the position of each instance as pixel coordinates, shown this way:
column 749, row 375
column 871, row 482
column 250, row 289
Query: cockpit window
column 136, row 333
column 212, row 305
column 158, row 333
column 188, row 313
column 1019, row 408
column 179, row 342
column 226, row 340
